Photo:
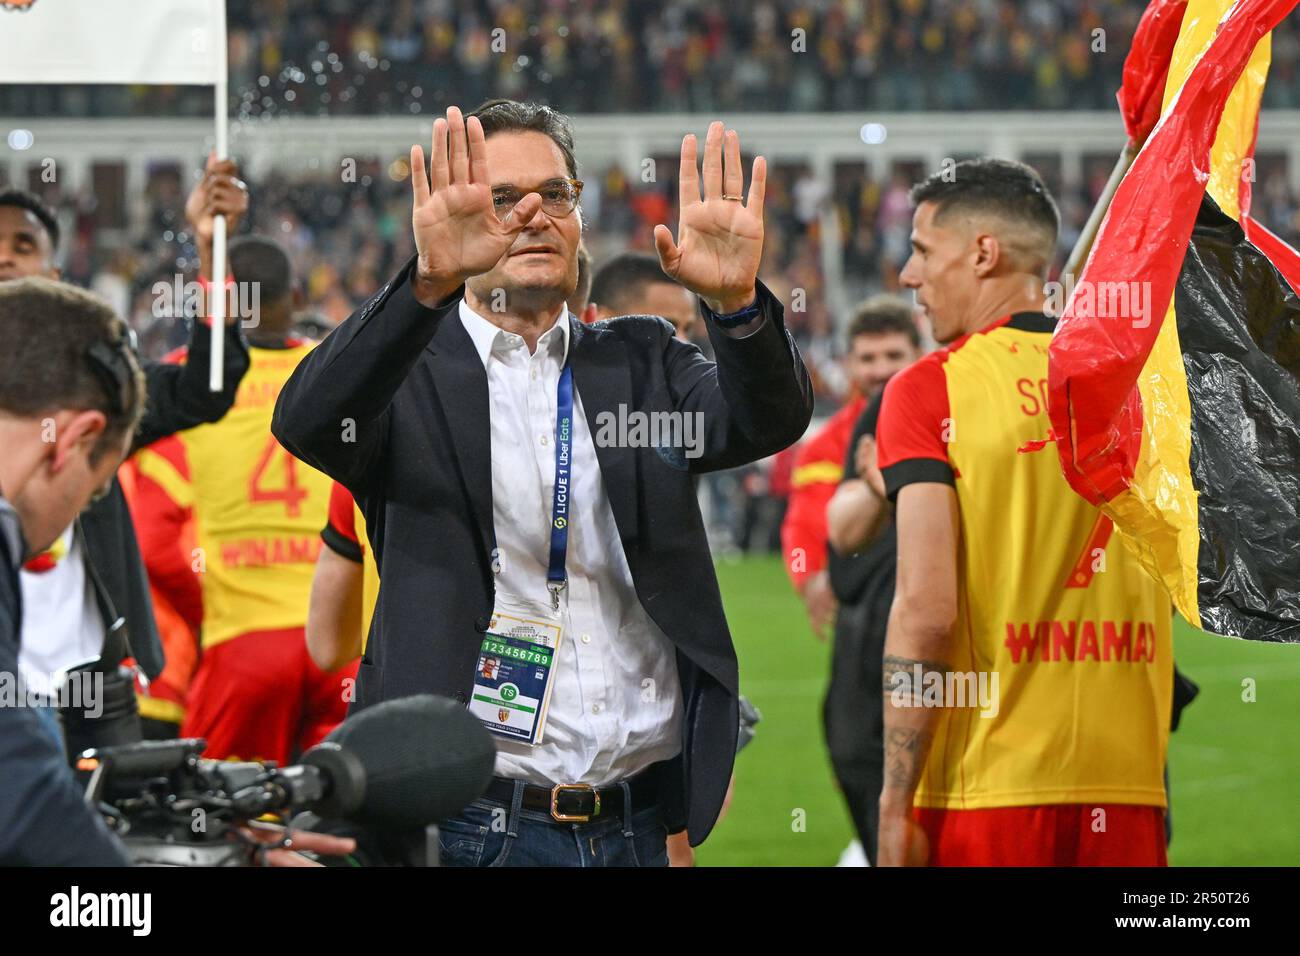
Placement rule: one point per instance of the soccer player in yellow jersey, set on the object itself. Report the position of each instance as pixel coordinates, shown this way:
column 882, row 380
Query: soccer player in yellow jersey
column 257, row 514
column 1028, row 663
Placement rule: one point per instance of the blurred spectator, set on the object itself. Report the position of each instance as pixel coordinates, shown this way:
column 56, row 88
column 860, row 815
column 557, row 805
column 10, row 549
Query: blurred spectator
column 600, row 56
column 347, row 234
column 348, row 238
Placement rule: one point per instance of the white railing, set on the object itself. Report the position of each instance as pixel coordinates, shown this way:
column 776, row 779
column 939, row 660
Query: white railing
column 288, row 142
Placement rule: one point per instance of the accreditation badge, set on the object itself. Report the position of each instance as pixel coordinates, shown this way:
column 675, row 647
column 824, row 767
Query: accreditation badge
column 516, row 661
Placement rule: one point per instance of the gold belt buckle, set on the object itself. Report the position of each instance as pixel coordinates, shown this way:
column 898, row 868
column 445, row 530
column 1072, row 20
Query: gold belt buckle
column 572, row 817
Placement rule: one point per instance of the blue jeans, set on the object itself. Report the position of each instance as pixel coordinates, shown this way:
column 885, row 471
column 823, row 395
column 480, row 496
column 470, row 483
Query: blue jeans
column 489, row 833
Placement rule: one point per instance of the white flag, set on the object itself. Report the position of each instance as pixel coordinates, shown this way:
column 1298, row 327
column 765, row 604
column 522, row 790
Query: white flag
column 113, row 41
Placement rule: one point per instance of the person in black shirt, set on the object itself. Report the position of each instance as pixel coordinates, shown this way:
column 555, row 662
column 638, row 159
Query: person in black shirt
column 861, row 561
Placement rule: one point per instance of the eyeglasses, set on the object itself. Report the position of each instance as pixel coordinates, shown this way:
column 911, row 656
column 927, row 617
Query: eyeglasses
column 559, row 198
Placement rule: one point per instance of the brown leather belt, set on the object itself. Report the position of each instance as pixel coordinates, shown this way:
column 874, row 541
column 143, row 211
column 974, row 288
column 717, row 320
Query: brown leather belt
column 580, row 802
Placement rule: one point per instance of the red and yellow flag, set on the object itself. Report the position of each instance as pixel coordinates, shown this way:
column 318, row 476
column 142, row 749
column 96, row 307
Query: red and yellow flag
column 1174, row 374
column 1146, row 68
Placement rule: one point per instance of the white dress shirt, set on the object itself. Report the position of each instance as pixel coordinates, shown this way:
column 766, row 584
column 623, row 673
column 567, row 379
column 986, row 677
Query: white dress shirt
column 616, row 704
column 61, row 626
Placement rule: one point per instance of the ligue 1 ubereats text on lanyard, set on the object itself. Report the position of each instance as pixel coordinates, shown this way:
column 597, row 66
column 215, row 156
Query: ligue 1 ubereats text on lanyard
column 556, row 580
column 512, row 685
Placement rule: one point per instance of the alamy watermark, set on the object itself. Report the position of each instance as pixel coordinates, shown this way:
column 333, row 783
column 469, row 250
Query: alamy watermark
column 71, row 690
column 920, row 686
column 1128, row 299
column 187, row 299
column 76, row 908
column 626, row 428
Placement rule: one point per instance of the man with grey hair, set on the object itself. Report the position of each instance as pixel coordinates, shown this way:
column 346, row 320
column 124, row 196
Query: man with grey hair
column 459, row 406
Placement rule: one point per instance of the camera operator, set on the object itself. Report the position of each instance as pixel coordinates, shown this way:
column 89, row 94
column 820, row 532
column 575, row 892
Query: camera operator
column 71, row 397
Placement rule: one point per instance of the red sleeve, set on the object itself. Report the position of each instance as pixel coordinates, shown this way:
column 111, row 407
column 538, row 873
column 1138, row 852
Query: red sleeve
column 914, row 428
column 803, row 532
column 778, row 479
column 165, row 533
column 340, row 531
column 818, row 470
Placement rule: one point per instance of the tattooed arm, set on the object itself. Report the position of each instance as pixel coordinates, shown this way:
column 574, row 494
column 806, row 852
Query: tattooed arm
column 919, row 640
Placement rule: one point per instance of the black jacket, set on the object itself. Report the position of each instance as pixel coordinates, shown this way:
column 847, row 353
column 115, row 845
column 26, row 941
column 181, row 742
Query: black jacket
column 866, row 577
column 43, row 819
column 177, row 398
column 394, row 404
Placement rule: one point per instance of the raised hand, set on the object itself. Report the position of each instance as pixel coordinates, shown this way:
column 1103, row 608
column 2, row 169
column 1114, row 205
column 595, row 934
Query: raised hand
column 457, row 232
column 219, row 193
column 720, row 238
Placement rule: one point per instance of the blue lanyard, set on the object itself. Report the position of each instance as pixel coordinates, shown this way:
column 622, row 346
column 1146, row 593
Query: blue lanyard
column 556, row 579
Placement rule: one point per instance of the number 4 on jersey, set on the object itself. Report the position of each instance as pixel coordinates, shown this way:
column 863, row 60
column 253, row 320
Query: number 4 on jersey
column 292, row 493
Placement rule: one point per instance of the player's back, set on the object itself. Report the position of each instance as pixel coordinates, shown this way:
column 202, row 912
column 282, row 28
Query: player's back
column 1063, row 643
column 258, row 511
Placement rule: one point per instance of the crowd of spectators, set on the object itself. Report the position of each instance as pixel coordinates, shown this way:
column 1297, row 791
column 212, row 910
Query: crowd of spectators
column 341, row 57
column 348, row 238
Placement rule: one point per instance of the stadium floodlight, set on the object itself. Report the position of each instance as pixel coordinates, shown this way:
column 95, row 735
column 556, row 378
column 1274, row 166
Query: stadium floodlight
column 873, row 134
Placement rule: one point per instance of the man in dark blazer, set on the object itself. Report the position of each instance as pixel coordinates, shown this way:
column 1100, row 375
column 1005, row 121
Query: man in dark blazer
column 436, row 406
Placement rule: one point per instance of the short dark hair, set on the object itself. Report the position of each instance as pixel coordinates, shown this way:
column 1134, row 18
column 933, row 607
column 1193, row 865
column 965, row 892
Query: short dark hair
column 618, row 283
column 22, row 199
column 884, row 315
column 1003, row 188
column 512, row 116
column 265, row 262
column 62, row 347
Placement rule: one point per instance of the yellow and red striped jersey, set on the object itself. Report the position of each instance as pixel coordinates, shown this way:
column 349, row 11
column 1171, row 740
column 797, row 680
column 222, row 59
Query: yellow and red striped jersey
column 165, row 534
column 257, row 510
column 1078, row 635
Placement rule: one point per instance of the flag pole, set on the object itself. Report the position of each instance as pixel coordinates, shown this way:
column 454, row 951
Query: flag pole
column 217, row 291
column 1079, row 254
column 1146, row 72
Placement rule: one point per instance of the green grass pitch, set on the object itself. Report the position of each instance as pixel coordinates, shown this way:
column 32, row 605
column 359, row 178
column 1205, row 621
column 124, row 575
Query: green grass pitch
column 1234, row 766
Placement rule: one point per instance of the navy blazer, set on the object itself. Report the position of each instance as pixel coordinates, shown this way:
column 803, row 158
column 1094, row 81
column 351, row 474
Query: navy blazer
column 394, row 405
